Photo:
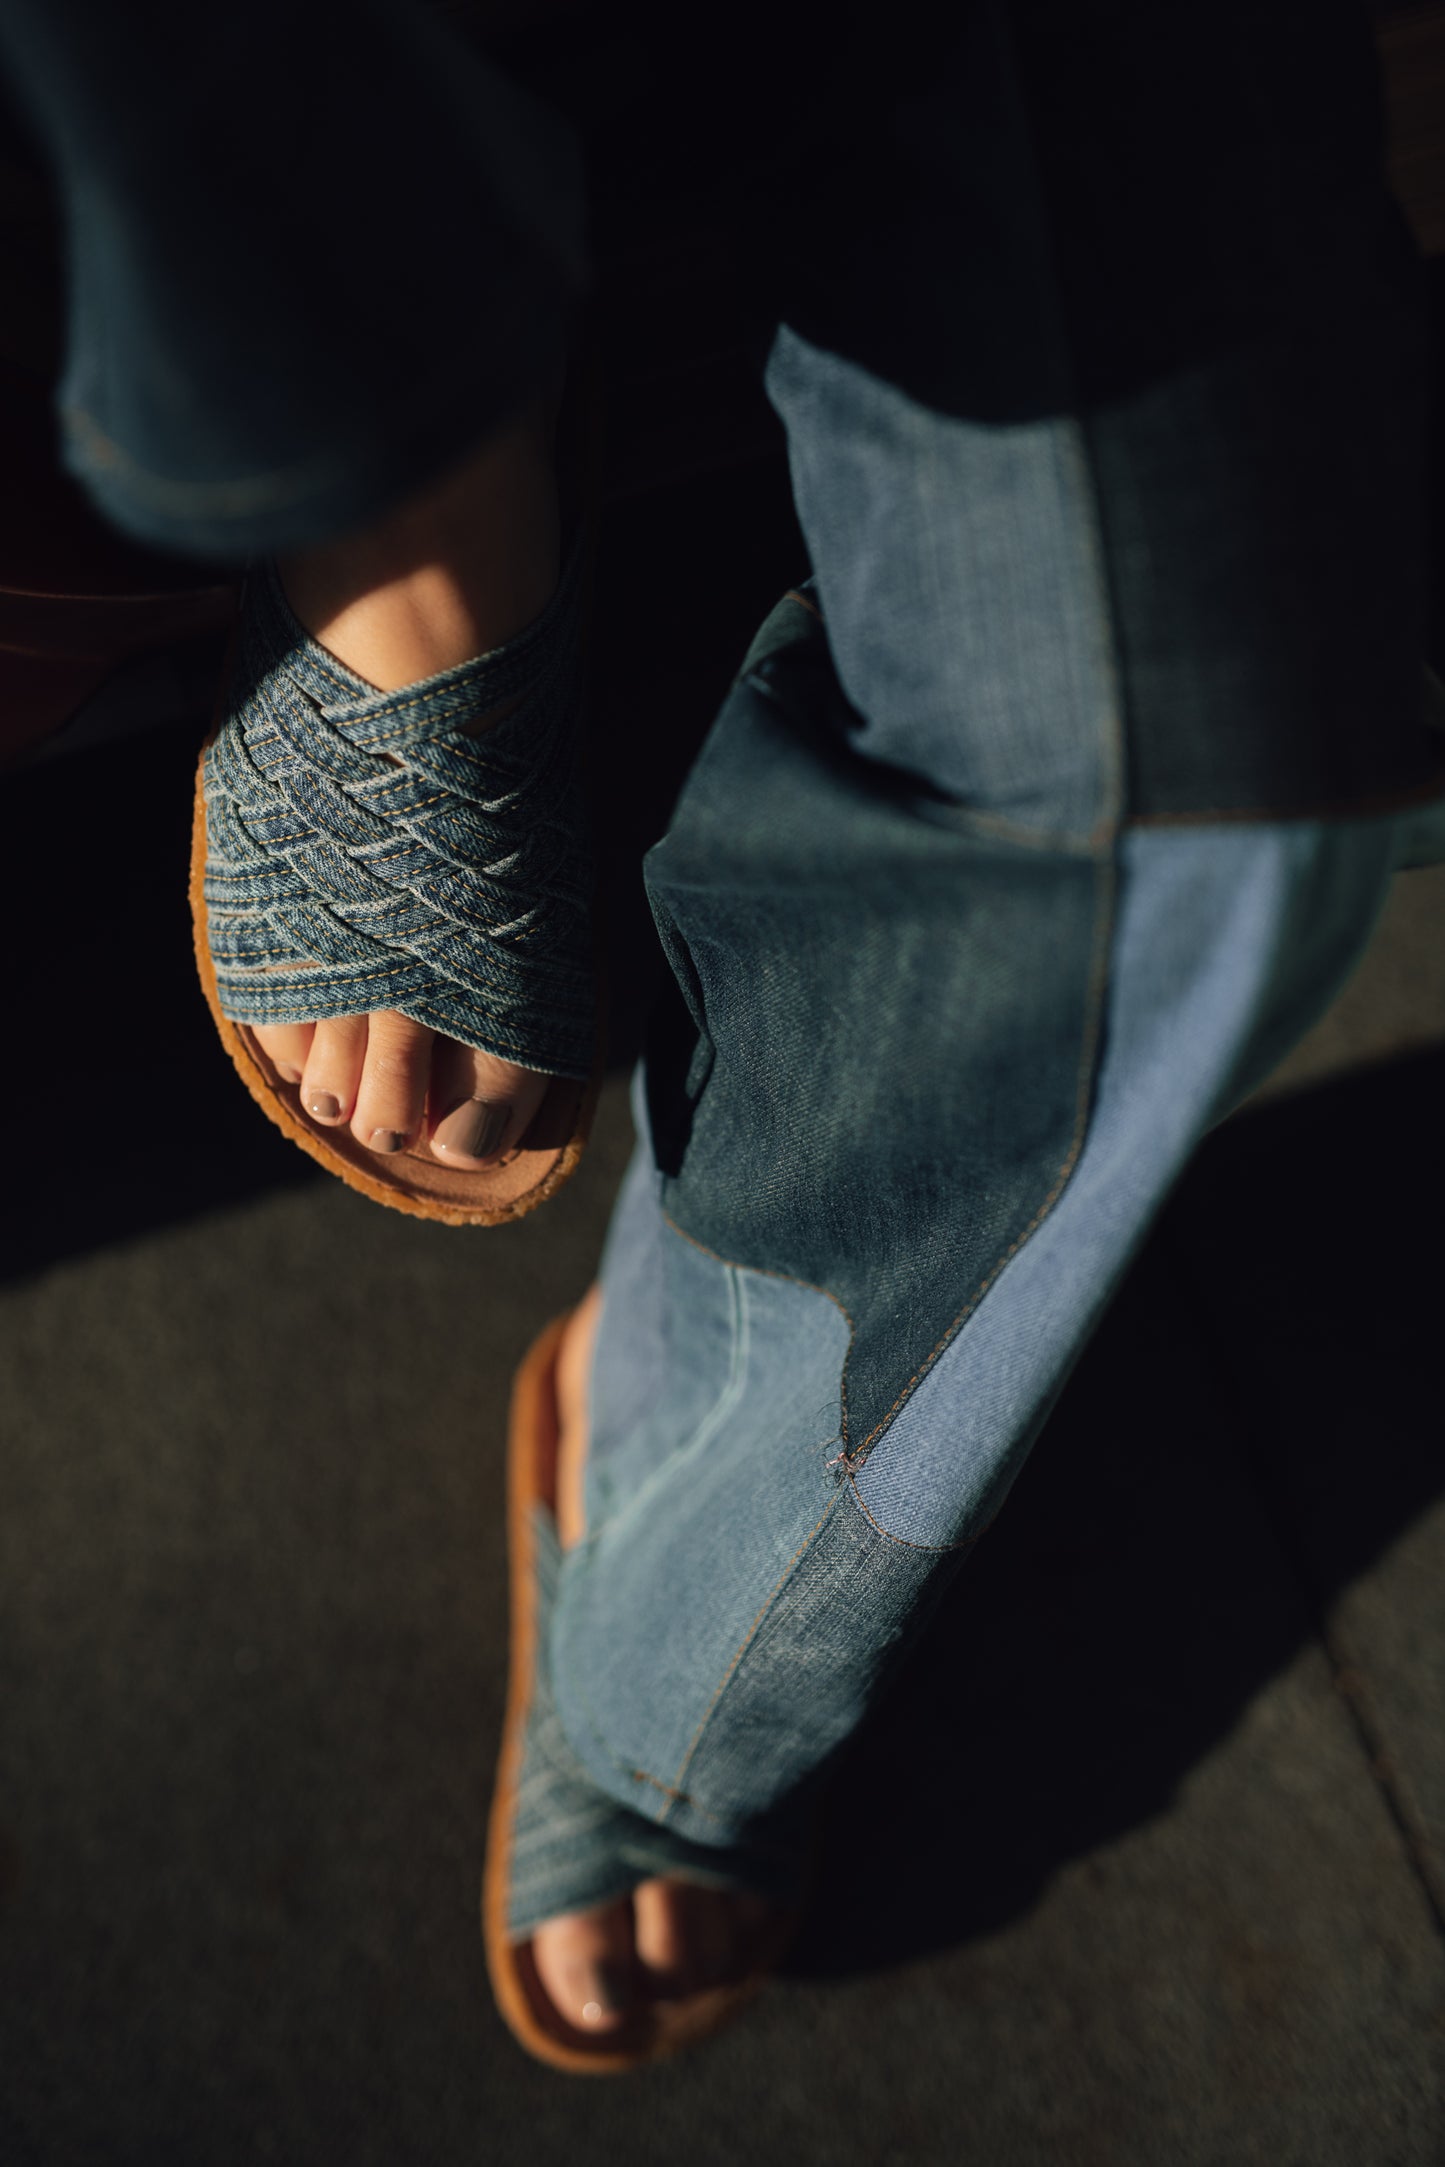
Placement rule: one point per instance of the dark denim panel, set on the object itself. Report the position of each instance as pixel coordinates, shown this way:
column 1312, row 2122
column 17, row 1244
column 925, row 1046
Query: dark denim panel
column 1229, row 942
column 711, row 1652
column 1264, row 531
column 314, row 255
column 873, row 1075
column 959, row 569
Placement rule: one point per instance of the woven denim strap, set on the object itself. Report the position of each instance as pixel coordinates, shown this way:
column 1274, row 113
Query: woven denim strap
column 364, row 852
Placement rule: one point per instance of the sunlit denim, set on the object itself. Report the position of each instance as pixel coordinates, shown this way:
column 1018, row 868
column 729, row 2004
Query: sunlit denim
column 951, row 1009
column 741, row 1595
column 1036, row 826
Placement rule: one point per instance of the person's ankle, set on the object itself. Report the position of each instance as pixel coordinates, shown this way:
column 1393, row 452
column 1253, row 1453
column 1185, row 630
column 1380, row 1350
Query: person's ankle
column 452, row 573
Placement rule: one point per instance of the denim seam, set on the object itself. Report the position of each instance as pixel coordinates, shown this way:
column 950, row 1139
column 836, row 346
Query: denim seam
column 701, row 1434
column 851, row 1460
column 1098, row 982
column 1012, row 831
column 674, row 1798
column 768, row 1271
column 1367, row 808
column 707, row 1425
column 676, row 1794
column 1105, row 834
column 966, row 820
column 939, row 1549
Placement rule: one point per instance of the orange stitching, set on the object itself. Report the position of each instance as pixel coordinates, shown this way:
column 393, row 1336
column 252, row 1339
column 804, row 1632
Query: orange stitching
column 1097, row 983
column 1101, row 839
column 766, row 1271
column 747, row 1642
column 939, row 1549
column 1099, row 976
column 1098, row 980
column 804, row 602
column 1010, row 831
column 1104, row 834
column 680, row 1798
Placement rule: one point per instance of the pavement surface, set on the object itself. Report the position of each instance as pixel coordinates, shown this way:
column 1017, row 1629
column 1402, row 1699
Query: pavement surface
column 1145, row 1861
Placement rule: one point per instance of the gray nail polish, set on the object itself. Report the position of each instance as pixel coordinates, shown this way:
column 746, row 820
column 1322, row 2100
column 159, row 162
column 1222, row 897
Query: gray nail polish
column 323, row 1105
column 474, row 1128
column 386, row 1140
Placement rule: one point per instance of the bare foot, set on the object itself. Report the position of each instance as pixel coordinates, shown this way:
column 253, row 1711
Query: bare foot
column 670, row 1938
column 451, row 574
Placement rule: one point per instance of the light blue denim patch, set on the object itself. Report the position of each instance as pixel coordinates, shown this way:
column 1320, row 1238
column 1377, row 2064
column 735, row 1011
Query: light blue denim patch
column 742, row 1599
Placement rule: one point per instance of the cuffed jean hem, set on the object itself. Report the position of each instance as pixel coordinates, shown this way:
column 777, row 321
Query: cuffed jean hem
column 422, row 432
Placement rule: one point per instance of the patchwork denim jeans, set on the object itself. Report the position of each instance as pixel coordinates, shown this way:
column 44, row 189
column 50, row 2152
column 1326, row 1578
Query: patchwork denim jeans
column 1039, row 822
column 952, row 1005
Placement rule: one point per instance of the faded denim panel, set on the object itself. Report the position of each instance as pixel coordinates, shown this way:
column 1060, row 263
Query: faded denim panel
column 573, row 1845
column 872, row 1073
column 1230, row 944
column 660, row 1400
column 957, row 564
column 736, row 1614
column 663, row 1597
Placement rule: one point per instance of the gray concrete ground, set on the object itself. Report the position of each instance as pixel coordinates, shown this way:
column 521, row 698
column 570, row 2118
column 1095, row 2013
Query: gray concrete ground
column 1143, row 1863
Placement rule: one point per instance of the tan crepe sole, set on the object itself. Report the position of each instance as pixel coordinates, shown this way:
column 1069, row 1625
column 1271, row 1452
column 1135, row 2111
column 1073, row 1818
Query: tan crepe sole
column 537, row 1466
column 414, row 1181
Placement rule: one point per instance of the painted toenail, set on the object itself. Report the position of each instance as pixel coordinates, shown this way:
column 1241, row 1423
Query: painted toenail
column 611, row 1993
column 386, row 1140
column 472, row 1129
column 323, row 1105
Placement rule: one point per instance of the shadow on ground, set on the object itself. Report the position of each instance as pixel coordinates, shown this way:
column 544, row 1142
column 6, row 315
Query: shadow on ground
column 1269, row 1375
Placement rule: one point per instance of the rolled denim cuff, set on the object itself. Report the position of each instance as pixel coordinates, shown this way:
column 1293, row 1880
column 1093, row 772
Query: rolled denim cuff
column 364, row 851
column 313, row 256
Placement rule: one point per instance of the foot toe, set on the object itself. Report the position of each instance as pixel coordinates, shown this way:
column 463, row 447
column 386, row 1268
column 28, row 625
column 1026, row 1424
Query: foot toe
column 391, row 1096
column 285, row 1046
column 333, row 1069
column 584, row 1960
column 689, row 1938
column 481, row 1106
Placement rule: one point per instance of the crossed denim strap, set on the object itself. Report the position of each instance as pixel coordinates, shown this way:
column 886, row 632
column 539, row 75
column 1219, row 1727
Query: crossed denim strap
column 364, row 852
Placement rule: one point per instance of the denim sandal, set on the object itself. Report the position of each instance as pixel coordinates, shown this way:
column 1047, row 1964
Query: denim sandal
column 555, row 1843
column 355, row 850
